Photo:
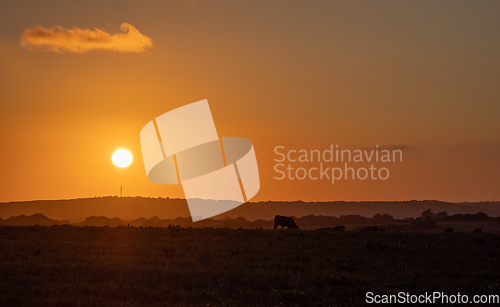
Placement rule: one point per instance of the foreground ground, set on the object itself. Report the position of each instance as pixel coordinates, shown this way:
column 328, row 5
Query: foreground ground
column 127, row 266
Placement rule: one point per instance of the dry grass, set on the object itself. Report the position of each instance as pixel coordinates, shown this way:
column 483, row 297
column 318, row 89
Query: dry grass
column 127, row 266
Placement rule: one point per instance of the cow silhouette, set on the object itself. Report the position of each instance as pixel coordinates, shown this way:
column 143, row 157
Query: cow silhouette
column 370, row 228
column 283, row 221
column 448, row 230
column 479, row 230
column 339, row 228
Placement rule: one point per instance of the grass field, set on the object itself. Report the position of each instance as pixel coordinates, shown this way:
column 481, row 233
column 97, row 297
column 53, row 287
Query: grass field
column 129, row 266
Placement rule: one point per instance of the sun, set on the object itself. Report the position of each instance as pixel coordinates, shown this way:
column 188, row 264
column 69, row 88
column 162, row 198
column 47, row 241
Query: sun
column 122, row 158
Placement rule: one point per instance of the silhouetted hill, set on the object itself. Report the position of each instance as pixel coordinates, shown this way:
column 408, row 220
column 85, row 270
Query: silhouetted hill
column 130, row 208
column 126, row 208
column 35, row 219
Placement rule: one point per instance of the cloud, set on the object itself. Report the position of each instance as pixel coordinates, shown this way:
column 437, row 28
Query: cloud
column 77, row 40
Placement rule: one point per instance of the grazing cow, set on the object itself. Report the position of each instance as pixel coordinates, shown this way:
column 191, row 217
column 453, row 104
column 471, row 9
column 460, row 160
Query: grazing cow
column 339, row 228
column 479, row 230
column 370, row 228
column 448, row 230
column 283, row 221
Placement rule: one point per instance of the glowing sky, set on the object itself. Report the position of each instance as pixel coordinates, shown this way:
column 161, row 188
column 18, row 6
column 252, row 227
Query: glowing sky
column 76, row 85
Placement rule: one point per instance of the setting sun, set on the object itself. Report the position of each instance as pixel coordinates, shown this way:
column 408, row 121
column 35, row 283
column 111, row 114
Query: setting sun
column 122, row 158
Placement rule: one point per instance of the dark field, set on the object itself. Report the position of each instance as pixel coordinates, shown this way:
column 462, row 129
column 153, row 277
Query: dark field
column 128, row 266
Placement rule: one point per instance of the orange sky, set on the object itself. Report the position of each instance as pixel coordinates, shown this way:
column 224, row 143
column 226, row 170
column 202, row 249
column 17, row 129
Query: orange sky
column 300, row 74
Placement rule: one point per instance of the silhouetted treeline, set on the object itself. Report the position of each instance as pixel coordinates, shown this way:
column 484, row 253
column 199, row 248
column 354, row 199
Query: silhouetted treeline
column 428, row 219
column 465, row 217
column 35, row 219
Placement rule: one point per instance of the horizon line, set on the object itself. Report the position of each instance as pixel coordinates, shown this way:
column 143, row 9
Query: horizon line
column 262, row 201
